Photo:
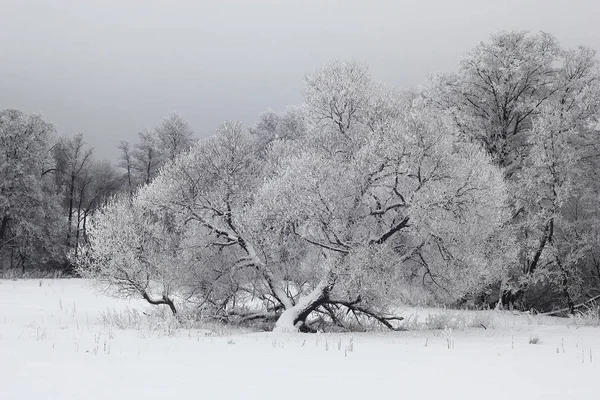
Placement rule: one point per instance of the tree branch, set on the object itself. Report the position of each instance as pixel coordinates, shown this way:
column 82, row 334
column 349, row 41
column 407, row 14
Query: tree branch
column 354, row 307
column 396, row 228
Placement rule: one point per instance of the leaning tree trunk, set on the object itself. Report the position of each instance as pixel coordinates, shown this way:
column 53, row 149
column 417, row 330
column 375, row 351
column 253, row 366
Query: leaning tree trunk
column 294, row 318
column 163, row 300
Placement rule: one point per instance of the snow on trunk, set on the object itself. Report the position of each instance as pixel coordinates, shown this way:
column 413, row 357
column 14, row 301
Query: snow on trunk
column 293, row 318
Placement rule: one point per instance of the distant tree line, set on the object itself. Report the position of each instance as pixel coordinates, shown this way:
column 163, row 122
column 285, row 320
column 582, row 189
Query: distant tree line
column 51, row 185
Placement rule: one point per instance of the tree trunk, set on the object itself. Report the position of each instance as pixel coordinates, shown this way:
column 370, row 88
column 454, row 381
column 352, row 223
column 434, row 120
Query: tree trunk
column 3, row 229
column 294, row 318
column 77, row 232
column 70, row 216
column 565, row 287
column 22, row 264
column 129, row 184
column 171, row 305
column 164, row 300
column 149, row 167
column 510, row 298
column 84, row 232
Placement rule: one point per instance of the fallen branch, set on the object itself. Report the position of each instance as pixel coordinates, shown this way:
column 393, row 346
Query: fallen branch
column 382, row 319
column 331, row 314
column 245, row 317
column 576, row 306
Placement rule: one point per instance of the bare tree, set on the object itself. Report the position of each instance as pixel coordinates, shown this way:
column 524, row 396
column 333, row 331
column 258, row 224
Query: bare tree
column 73, row 160
column 126, row 161
column 147, row 156
column 94, row 188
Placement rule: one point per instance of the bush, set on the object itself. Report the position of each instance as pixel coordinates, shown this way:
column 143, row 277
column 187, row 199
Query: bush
column 588, row 317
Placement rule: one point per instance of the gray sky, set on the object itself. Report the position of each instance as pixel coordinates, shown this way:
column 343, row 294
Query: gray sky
column 109, row 68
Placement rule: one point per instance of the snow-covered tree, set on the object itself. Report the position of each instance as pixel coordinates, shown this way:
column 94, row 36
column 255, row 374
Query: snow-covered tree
column 206, row 190
column 498, row 91
column 372, row 200
column 156, row 146
column 530, row 104
column 30, row 216
column 174, row 136
column 98, row 183
column 389, row 197
column 135, row 252
column 147, row 157
column 271, row 127
column 126, row 161
column 557, row 190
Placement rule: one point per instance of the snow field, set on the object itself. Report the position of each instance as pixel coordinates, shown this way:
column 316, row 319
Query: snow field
column 59, row 340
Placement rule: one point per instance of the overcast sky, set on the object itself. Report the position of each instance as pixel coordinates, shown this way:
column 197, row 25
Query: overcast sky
column 109, row 68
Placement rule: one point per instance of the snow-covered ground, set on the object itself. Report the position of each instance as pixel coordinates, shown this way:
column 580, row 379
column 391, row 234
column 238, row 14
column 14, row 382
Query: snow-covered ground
column 57, row 342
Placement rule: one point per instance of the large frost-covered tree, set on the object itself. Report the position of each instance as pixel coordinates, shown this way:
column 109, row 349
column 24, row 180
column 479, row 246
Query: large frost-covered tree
column 365, row 199
column 531, row 103
column 388, row 196
column 559, row 190
column 30, row 215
